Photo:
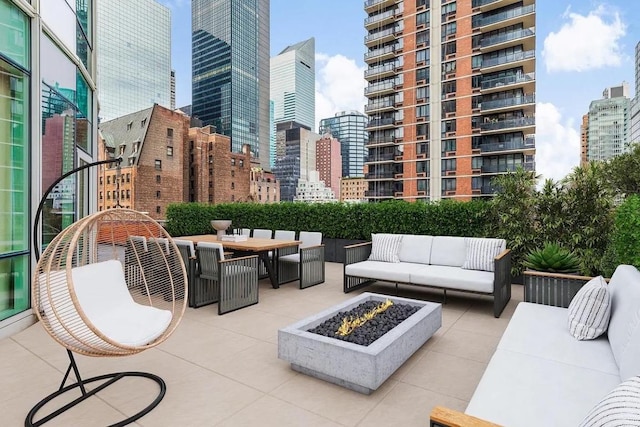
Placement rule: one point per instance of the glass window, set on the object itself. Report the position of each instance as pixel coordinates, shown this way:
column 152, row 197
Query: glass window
column 448, row 184
column 158, row 164
column 14, row 33
column 448, row 165
column 422, row 55
column 448, row 145
column 422, row 18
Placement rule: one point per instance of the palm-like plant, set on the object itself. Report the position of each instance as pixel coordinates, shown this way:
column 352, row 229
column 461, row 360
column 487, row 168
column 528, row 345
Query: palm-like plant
column 552, row 258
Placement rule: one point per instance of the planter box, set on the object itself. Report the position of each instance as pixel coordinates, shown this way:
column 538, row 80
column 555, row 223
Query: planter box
column 334, row 248
column 357, row 367
column 551, row 288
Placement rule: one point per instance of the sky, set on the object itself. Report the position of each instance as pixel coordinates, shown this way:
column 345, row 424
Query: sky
column 582, row 47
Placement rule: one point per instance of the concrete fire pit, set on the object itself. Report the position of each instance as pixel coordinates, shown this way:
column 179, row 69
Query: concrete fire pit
column 353, row 366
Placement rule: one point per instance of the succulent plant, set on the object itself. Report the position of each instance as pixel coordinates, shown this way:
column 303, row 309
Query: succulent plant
column 552, row 258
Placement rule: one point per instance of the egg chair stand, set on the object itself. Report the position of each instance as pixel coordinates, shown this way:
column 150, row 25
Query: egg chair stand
column 65, row 295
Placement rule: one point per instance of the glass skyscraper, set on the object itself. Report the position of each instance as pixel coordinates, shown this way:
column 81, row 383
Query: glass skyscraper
column 293, row 78
column 133, row 56
column 230, row 48
column 349, row 128
column 47, row 127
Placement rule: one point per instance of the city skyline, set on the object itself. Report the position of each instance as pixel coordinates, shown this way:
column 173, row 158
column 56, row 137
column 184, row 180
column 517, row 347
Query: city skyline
column 582, row 48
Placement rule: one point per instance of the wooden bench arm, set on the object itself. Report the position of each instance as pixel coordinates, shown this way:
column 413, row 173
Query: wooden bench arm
column 445, row 417
column 502, row 254
column 357, row 244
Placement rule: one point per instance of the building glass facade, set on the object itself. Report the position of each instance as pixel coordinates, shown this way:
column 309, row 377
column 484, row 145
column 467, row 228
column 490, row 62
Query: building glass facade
column 58, row 131
column 230, row 71
column 133, row 56
column 348, row 127
column 608, row 124
column 293, row 84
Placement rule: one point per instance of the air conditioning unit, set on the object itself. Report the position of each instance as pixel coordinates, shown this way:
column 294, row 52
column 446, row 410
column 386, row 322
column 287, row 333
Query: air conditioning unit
column 449, row 153
column 451, row 56
column 421, row 137
column 398, row 175
column 451, row 133
column 420, row 119
column 476, row 171
column 451, row 95
column 450, row 193
column 450, row 114
column 451, row 36
column 421, row 156
column 421, row 174
column 450, row 173
column 422, row 193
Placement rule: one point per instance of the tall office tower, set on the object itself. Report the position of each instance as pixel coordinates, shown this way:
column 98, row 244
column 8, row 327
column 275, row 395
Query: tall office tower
column 634, row 131
column 48, row 125
column 172, row 93
column 272, row 136
column 293, row 76
column 329, row 162
column 133, row 50
column 230, row 88
column 295, row 156
column 349, row 128
column 609, row 124
column 584, row 140
column 451, row 96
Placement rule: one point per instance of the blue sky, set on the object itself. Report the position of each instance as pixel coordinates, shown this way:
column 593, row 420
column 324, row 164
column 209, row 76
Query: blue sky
column 583, row 46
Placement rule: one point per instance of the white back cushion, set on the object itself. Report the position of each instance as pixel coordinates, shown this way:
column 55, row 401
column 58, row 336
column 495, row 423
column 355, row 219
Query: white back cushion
column 448, row 250
column 213, row 245
column 385, row 247
column 481, row 253
column 310, row 238
column 589, row 310
column 624, row 326
column 188, row 244
column 415, row 249
column 260, row 233
column 284, row 235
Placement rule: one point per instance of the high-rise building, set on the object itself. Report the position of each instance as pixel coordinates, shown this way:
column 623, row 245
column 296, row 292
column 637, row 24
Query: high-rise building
column 329, row 162
column 451, row 96
column 634, row 127
column 295, row 156
column 293, row 74
column 48, row 125
column 608, row 124
column 349, row 128
column 584, row 140
column 133, row 50
column 230, row 86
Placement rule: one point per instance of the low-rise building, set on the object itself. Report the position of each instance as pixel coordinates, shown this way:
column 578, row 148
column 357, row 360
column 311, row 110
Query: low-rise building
column 313, row 190
column 352, row 189
column 264, row 187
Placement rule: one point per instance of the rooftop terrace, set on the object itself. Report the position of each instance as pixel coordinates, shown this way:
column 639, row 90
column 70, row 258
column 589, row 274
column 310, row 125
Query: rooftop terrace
column 224, row 370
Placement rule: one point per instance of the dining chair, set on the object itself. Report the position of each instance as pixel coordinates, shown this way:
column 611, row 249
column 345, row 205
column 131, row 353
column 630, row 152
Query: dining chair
column 307, row 265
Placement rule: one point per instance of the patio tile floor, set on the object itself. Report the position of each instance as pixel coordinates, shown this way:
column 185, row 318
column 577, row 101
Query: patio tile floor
column 224, row 370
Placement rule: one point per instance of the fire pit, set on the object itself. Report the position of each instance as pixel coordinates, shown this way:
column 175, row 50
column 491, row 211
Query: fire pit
column 357, row 367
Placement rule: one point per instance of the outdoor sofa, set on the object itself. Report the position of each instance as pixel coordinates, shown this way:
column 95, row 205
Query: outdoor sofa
column 541, row 375
column 478, row 265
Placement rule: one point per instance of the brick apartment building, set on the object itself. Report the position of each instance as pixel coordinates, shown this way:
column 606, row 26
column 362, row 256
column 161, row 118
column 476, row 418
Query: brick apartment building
column 329, row 162
column 451, row 96
column 264, row 187
column 150, row 143
column 352, row 189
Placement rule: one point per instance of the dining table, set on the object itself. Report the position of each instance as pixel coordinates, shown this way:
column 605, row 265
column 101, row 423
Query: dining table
column 251, row 246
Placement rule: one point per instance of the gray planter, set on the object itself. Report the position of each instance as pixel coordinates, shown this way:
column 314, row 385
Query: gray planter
column 334, row 248
column 551, row 288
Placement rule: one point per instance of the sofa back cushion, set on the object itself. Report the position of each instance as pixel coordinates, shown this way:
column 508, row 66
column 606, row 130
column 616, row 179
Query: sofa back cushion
column 385, row 247
column 415, row 249
column 624, row 325
column 481, row 253
column 448, row 250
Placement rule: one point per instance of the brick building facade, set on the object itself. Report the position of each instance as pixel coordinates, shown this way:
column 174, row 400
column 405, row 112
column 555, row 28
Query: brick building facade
column 329, row 163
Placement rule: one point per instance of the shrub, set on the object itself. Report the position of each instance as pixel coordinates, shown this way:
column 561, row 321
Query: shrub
column 626, row 236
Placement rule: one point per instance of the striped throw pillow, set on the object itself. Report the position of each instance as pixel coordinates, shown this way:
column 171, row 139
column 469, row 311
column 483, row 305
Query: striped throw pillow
column 621, row 407
column 590, row 309
column 481, row 253
column 385, row 247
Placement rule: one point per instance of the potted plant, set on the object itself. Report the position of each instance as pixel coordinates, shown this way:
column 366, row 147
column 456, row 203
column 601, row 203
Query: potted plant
column 552, row 276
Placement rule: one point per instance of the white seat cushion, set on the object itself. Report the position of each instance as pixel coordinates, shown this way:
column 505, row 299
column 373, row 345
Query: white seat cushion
column 541, row 331
column 448, row 250
column 415, row 249
column 589, row 310
column 380, row 270
column 103, row 296
column 452, row 278
column 520, row 390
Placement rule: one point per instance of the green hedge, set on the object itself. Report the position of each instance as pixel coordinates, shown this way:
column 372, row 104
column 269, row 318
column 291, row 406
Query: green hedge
column 337, row 220
column 626, row 236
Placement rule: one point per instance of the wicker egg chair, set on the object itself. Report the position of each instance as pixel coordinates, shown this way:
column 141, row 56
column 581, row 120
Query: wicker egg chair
column 110, row 284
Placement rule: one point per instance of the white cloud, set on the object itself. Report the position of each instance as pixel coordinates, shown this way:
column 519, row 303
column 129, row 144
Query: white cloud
column 557, row 143
column 339, row 85
column 585, row 42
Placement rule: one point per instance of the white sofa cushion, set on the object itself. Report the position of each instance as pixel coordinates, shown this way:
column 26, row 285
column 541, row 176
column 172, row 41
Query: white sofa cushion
column 385, row 247
column 415, row 249
column 452, row 278
column 624, row 325
column 481, row 253
column 387, row 271
column 540, row 330
column 589, row 310
column 520, row 390
column 448, row 250
column 621, row 407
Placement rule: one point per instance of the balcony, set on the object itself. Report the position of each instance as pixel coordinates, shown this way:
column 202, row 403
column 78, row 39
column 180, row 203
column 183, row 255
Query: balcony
column 488, row 189
column 379, row 36
column 380, row 54
column 379, row 88
column 377, row 4
column 505, row 38
column 385, row 104
column 498, row 104
column 380, row 18
column 501, row 82
column 518, row 145
column 380, row 175
column 508, row 124
column 382, row 157
column 380, row 71
column 508, row 17
column 381, row 192
column 507, row 60
column 385, row 122
column 502, row 168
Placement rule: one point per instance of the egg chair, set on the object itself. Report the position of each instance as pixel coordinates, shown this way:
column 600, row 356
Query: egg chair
column 111, row 284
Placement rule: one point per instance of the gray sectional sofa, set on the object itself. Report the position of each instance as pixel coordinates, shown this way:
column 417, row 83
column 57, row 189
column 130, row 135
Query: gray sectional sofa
column 540, row 375
column 431, row 261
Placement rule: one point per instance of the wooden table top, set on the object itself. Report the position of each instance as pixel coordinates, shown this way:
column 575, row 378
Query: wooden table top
column 251, row 244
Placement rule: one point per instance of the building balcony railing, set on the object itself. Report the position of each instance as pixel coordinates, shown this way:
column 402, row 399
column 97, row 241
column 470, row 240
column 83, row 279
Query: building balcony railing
column 480, row 3
column 506, row 59
column 509, row 123
column 387, row 68
column 387, row 50
column 507, row 14
column 380, row 175
column 382, row 157
column 488, row 189
column 380, row 122
column 507, row 102
column 508, row 80
column 522, row 144
column 389, row 32
column 372, row 106
column 507, row 168
column 373, row 3
column 379, row 87
column 381, row 192
column 374, row 19
column 381, row 140
column 511, row 35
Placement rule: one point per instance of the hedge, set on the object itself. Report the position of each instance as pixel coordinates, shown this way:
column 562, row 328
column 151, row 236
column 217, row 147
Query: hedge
column 626, row 236
column 337, row 220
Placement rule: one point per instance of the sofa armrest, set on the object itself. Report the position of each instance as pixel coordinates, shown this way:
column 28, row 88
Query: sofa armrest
column 501, row 282
column 357, row 253
column 445, row 417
